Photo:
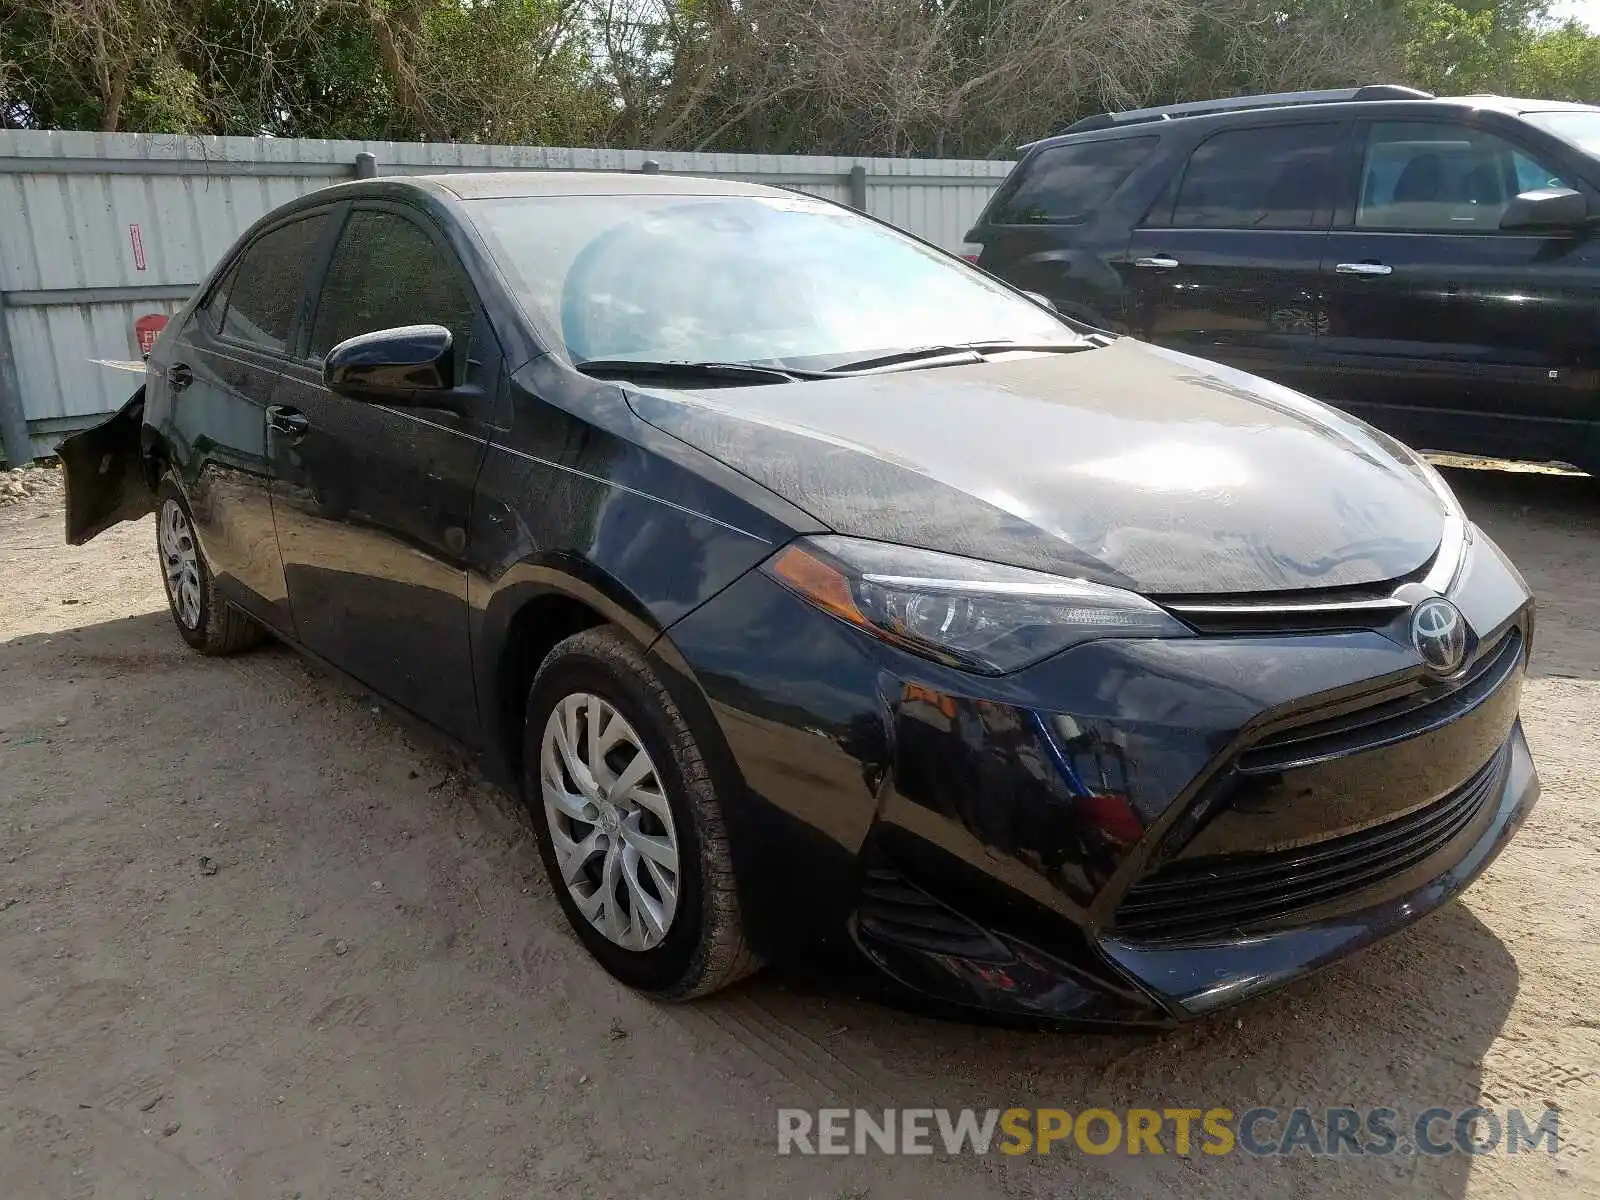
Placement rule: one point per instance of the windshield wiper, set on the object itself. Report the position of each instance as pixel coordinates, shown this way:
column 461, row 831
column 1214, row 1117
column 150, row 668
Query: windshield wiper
column 958, row 355
column 692, row 372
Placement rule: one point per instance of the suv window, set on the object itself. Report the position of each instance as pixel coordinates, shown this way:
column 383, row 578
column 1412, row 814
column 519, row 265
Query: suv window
column 1440, row 178
column 264, row 289
column 1270, row 178
column 388, row 272
column 1066, row 183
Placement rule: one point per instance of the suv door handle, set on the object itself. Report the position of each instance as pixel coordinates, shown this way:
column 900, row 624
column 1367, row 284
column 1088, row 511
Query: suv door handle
column 1363, row 268
column 290, row 422
column 179, row 376
column 1160, row 262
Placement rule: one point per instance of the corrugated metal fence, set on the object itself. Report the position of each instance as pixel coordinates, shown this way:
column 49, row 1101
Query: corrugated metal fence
column 97, row 230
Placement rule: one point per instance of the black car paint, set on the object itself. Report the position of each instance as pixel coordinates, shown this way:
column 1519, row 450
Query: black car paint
column 425, row 550
column 1484, row 343
column 1082, row 469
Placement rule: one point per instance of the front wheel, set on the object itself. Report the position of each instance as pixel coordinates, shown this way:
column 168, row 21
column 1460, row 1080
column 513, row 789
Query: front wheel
column 206, row 621
column 629, row 821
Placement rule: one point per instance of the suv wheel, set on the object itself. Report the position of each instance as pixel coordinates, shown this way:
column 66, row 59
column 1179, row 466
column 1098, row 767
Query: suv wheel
column 629, row 822
column 206, row 621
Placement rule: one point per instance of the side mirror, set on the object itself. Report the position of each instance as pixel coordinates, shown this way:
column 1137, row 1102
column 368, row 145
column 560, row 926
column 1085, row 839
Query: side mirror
column 1546, row 208
column 410, row 364
column 1043, row 301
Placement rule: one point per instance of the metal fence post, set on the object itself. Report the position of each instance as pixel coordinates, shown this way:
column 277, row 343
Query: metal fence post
column 366, row 165
column 13, row 420
column 858, row 188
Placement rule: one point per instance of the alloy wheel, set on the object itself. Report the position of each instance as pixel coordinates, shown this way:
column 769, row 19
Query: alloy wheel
column 180, row 560
column 610, row 824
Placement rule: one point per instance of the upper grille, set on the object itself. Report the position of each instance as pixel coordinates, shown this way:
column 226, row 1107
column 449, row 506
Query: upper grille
column 1374, row 725
column 1201, row 897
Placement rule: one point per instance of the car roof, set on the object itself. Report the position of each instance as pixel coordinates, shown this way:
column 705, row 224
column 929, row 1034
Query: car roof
column 1390, row 108
column 496, row 185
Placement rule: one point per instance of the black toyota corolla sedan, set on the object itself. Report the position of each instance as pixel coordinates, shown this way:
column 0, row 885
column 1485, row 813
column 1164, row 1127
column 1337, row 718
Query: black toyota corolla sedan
column 815, row 588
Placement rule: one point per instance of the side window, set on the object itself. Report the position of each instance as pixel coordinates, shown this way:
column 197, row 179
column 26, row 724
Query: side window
column 1066, row 184
column 215, row 307
column 386, row 272
column 1440, row 178
column 1275, row 177
column 265, row 288
column 1532, row 176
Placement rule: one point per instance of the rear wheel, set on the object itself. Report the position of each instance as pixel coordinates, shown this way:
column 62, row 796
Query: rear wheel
column 629, row 821
column 206, row 621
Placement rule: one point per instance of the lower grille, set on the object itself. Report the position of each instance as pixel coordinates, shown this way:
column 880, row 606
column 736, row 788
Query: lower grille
column 894, row 910
column 1202, row 897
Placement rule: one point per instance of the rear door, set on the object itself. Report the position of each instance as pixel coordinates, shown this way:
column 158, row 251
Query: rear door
column 1226, row 263
column 373, row 501
column 219, row 374
column 1444, row 329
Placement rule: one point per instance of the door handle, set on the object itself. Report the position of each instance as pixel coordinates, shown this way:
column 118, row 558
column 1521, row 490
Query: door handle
column 179, row 376
column 1363, row 268
column 1159, row 262
column 290, row 422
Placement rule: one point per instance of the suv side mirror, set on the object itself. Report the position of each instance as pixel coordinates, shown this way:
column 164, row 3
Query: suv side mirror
column 410, row 364
column 1546, row 208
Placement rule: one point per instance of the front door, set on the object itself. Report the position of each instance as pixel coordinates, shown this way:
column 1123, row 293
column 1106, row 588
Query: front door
column 1226, row 264
column 373, row 501
column 1443, row 329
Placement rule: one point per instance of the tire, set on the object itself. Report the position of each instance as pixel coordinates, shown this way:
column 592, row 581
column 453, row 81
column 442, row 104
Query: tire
column 700, row 947
column 206, row 621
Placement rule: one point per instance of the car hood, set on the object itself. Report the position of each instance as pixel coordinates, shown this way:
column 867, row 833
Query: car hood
column 1132, row 465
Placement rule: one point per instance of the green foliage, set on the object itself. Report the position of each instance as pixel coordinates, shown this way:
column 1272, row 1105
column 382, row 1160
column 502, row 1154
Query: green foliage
column 967, row 77
column 1559, row 64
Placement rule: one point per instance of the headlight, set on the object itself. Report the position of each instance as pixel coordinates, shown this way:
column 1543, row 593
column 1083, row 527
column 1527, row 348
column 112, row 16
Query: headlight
column 961, row 611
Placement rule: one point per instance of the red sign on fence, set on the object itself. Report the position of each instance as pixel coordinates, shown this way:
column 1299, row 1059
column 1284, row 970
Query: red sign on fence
column 145, row 331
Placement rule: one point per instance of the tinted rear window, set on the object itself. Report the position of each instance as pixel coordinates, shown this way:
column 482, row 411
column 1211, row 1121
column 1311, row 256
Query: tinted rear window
column 1272, row 178
column 1065, row 184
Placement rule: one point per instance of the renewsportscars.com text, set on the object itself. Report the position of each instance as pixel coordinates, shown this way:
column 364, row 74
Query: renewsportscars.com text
column 1258, row 1131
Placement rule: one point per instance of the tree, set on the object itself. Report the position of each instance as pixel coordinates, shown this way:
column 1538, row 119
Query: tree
column 940, row 77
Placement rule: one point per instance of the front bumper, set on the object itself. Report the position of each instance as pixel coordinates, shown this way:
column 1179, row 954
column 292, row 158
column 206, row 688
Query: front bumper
column 1190, row 981
column 987, row 842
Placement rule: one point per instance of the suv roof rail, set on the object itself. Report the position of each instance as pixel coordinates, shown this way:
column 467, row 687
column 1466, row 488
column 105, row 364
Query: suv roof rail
column 1195, row 108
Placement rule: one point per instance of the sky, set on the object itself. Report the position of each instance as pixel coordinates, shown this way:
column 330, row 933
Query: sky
column 1587, row 11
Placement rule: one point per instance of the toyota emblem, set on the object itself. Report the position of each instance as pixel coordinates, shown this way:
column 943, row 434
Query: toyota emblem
column 1439, row 632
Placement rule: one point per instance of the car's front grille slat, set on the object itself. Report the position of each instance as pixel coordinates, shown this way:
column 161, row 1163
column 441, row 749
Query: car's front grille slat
column 1388, row 722
column 1188, row 882
column 1228, row 895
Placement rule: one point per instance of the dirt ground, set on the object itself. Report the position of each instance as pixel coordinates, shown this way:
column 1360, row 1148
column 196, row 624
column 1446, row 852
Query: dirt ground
column 258, row 940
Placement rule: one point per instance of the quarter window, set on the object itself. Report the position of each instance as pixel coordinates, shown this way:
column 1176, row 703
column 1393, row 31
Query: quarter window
column 1065, row 184
column 1437, row 178
column 385, row 273
column 267, row 284
column 216, row 306
column 1271, row 178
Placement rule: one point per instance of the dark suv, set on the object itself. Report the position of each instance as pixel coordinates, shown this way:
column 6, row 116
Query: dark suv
column 1428, row 264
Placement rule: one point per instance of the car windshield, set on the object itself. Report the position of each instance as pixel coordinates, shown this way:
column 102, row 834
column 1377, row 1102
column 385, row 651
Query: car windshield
column 743, row 279
column 1573, row 125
